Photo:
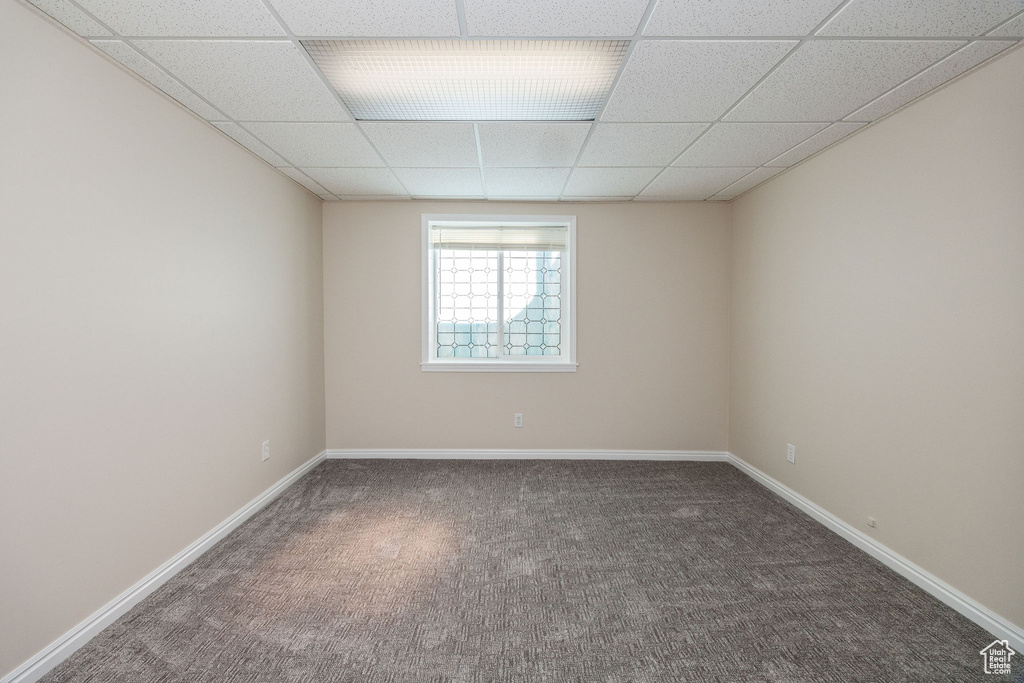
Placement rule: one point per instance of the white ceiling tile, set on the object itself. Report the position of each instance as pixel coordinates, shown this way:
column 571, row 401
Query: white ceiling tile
column 919, row 18
column 317, row 144
column 692, row 183
column 132, row 59
column 251, row 143
column 554, row 17
column 1011, row 29
column 746, row 144
column 525, row 182
column 531, row 144
column 249, row 80
column 834, row 133
column 748, row 181
column 186, row 17
column 369, row 18
column 72, row 17
column 302, row 179
column 824, row 80
column 424, row 144
column 446, row 182
column 377, row 182
column 617, row 182
column 737, row 17
column 677, row 80
column 975, row 53
column 638, row 144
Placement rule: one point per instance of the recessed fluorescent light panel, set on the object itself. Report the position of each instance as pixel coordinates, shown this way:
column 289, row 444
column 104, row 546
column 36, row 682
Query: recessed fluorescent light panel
column 470, row 80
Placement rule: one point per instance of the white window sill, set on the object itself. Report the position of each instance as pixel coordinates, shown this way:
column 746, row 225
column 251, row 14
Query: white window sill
column 496, row 366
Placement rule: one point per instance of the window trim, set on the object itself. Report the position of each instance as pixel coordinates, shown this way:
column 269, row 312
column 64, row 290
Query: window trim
column 562, row 363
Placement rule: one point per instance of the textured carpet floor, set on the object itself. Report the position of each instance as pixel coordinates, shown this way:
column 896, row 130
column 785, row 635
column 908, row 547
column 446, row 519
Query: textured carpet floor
column 408, row 571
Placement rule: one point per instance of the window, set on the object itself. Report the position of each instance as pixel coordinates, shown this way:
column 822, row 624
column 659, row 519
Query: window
column 498, row 293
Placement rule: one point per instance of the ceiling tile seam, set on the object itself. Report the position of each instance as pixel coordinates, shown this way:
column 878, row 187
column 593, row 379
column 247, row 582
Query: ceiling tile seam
column 309, row 177
column 227, row 119
column 260, row 140
column 813, row 34
column 899, row 85
column 739, row 165
column 832, row 15
column 481, row 36
column 692, row 39
column 334, row 93
column 144, row 81
column 776, row 67
column 768, row 164
column 173, row 77
column 1001, row 24
column 722, row 116
column 538, row 122
column 784, row 169
column 740, row 179
column 362, row 168
column 999, row 55
column 827, row 20
column 634, row 41
column 114, row 35
column 74, row 3
column 460, row 11
column 815, row 38
column 479, row 156
column 290, row 37
column 735, row 104
column 211, row 39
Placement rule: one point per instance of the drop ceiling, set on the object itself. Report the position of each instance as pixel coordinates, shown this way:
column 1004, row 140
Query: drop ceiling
column 712, row 97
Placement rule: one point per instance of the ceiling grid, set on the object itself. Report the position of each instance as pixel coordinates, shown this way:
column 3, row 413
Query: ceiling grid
column 711, row 97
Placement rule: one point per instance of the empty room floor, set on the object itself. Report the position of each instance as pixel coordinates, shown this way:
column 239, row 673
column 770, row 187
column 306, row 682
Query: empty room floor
column 478, row 570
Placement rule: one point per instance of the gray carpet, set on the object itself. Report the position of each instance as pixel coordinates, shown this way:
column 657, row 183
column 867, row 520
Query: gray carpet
column 408, row 571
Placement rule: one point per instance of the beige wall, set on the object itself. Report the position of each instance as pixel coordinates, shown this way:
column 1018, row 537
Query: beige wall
column 160, row 316
column 878, row 325
column 652, row 302
column 163, row 312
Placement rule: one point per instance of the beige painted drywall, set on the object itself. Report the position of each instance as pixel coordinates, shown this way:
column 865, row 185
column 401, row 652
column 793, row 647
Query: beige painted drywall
column 160, row 316
column 652, row 302
column 878, row 325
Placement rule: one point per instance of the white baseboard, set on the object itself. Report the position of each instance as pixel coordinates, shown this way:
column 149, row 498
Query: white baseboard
column 63, row 647
column 521, row 454
column 982, row 616
column 60, row 649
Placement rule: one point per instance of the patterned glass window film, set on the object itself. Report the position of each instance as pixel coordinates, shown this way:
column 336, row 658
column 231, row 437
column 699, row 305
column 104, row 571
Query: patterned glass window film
column 533, row 310
column 487, row 275
column 467, row 295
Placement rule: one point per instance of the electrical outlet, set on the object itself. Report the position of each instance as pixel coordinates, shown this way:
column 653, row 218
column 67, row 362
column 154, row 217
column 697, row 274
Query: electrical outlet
column 872, row 522
column 518, row 420
column 266, row 451
column 791, row 453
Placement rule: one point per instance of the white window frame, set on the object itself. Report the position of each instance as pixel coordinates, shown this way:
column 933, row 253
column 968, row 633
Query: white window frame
column 565, row 362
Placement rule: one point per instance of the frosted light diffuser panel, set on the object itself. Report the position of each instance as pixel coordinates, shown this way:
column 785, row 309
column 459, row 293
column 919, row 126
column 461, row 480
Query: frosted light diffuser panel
column 470, row 80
